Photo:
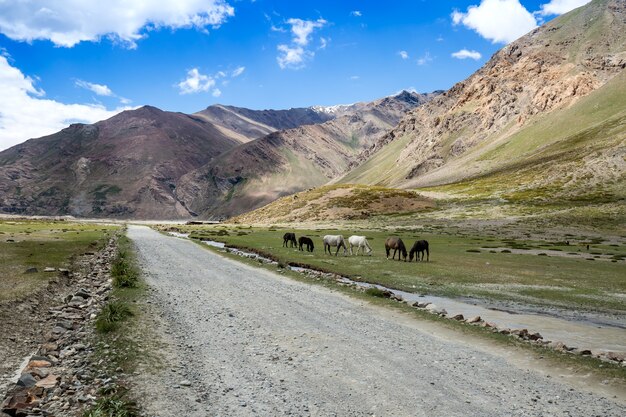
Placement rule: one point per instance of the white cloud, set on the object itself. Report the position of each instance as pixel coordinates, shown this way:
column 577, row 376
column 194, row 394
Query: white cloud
column 355, row 77
column 500, row 21
column 238, row 71
column 302, row 29
column 99, row 89
column 195, row 82
column 356, row 13
column 292, row 57
column 68, row 22
column 464, row 54
column 561, row 6
column 403, row 54
column 24, row 114
column 424, row 59
column 295, row 55
column 216, row 92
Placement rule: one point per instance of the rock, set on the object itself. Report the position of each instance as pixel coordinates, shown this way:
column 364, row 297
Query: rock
column 26, row 380
column 420, row 304
column 49, row 269
column 458, row 317
column 83, row 293
column 435, row 309
column 185, row 383
column 504, row 331
column 535, row 336
column 38, row 362
column 583, row 352
column 560, row 346
column 32, row 270
column 616, row 356
column 475, row 319
column 48, row 382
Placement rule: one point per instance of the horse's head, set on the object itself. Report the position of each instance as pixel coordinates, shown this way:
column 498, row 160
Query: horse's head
column 411, row 255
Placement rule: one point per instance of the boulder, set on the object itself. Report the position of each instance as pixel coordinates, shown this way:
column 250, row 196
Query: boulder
column 26, row 380
column 31, row 270
column 458, row 317
column 475, row 319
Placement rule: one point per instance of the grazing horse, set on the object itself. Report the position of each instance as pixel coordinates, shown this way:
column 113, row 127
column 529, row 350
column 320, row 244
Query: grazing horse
column 334, row 240
column 289, row 238
column 361, row 244
column 396, row 244
column 306, row 241
column 419, row 246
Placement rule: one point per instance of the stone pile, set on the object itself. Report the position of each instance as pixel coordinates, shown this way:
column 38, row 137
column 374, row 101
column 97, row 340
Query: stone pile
column 60, row 379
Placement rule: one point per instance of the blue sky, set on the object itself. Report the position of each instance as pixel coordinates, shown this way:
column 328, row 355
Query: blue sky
column 64, row 61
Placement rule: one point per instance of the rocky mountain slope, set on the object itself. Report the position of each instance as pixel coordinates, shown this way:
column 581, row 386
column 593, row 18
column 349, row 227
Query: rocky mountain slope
column 548, row 106
column 292, row 160
column 126, row 166
column 245, row 124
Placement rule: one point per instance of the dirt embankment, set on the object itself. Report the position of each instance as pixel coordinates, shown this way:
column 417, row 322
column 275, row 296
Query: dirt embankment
column 51, row 332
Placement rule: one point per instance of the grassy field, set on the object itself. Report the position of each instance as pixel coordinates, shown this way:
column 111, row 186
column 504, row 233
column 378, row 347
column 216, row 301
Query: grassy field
column 464, row 265
column 41, row 244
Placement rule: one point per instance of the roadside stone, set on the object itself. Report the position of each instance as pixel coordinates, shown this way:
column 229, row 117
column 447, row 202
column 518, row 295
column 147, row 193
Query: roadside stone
column 475, row 319
column 185, row 383
column 421, row 304
column 616, row 356
column 26, row 380
column 32, row 270
column 48, row 382
column 436, row 310
column 458, row 317
column 49, row 269
column 560, row 346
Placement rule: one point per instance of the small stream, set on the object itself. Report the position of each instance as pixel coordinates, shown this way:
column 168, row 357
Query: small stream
column 582, row 334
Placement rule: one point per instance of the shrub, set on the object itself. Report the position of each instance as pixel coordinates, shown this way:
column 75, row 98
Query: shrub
column 111, row 315
column 123, row 272
column 375, row 292
column 113, row 406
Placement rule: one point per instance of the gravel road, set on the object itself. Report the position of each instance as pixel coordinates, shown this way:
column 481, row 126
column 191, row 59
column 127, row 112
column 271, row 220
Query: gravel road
column 240, row 340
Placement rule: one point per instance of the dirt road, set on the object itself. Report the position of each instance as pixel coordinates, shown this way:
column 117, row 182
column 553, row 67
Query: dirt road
column 244, row 341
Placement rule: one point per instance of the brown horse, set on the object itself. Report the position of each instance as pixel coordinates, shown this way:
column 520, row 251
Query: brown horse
column 306, row 241
column 420, row 246
column 289, row 238
column 396, row 244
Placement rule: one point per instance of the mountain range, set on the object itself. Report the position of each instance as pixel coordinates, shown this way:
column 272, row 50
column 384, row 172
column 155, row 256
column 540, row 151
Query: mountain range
column 544, row 120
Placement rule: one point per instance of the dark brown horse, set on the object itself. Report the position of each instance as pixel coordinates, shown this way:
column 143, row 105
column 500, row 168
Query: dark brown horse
column 396, row 244
column 419, row 246
column 289, row 238
column 306, row 241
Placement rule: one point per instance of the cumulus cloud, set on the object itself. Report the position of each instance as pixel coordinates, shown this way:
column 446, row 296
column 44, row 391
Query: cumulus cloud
column 99, row 89
column 295, row 55
column 25, row 114
column 292, row 57
column 561, row 6
column 237, row 71
column 500, row 21
column 356, row 13
column 403, row 54
column 302, row 29
column 68, row 22
column 195, row 82
column 464, row 54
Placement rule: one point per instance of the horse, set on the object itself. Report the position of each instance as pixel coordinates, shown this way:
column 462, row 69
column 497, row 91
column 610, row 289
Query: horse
column 334, row 240
column 306, row 241
column 289, row 238
column 361, row 244
column 419, row 246
column 396, row 244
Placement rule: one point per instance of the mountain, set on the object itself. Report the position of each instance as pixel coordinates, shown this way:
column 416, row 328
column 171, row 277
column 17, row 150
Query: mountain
column 126, row 166
column 245, row 124
column 288, row 161
column 543, row 118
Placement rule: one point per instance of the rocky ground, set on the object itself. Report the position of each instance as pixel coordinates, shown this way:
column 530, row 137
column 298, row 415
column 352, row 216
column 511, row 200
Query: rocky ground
column 54, row 332
column 244, row 341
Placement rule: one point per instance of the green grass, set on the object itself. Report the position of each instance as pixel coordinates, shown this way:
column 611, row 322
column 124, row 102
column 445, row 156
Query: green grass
column 111, row 316
column 42, row 244
column 123, row 271
column 113, row 404
column 455, row 268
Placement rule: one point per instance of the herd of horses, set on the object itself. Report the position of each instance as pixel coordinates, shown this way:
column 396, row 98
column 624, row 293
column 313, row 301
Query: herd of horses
column 394, row 243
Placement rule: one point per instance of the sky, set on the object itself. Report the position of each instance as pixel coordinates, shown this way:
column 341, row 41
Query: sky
column 68, row 61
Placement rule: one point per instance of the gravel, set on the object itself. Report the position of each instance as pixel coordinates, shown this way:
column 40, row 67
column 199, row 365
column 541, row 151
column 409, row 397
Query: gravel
column 251, row 342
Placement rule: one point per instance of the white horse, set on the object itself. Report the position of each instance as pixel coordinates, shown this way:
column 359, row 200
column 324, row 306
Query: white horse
column 361, row 244
column 334, row 240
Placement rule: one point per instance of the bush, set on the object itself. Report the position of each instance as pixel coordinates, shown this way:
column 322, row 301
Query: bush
column 111, row 315
column 376, row 292
column 123, row 272
column 114, row 406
